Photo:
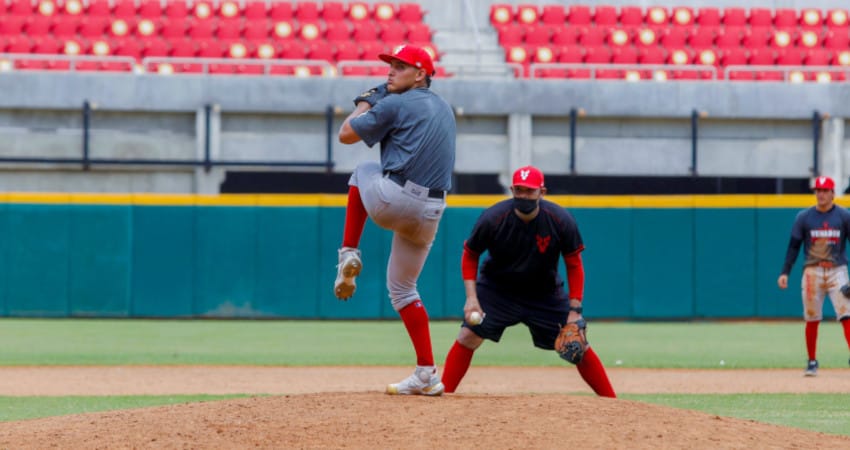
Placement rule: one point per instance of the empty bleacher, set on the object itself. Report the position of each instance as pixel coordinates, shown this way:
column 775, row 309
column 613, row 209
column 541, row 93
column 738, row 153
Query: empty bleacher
column 681, row 42
column 301, row 38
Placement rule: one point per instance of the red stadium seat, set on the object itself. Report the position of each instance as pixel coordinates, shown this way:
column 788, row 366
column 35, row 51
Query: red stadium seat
column 333, row 11
column 674, row 37
column 393, row 31
column 501, row 14
column 760, row 17
column 365, row 31
column 605, row 15
column 385, row 12
column 21, row 7
column 527, row 14
column 841, row 58
column 124, row 10
column 201, row 10
column 538, row 35
column 20, row 44
column 71, row 8
column 129, row 47
column 554, row 15
column 817, row 57
column 565, row 35
column 184, row 48
column 99, row 8
column 579, row 15
column 321, row 50
column 790, row 57
column 757, row 37
column 545, row 54
column 228, row 9
column 37, row 26
column 729, row 37
column 782, row 38
column 359, row 11
column 652, row 55
column 680, row 56
column 155, row 47
column 280, row 11
column 150, row 9
column 256, row 29
column 12, row 26
column 837, row 18
column 683, row 16
column 702, row 37
column 174, row 29
column 338, row 31
column 808, row 39
column 836, row 39
column 418, row 32
column 410, row 13
column 785, row 18
column 631, row 16
column 511, row 34
column 307, row 11
column 626, row 55
column 347, row 51
column 257, row 10
column 811, row 18
column 734, row 57
column 592, row 36
column 657, row 16
column 598, row 55
column 69, row 25
column 734, row 17
column 618, row 37
column 708, row 17
column 228, row 30
column 310, row 31
column 762, row 57
column 647, row 37
column 371, row 50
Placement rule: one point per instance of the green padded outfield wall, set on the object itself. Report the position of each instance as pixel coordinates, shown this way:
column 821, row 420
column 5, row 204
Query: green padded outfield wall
column 274, row 256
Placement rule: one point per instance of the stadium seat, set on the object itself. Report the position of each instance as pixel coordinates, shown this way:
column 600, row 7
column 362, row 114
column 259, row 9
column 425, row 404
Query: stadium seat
column 734, row 17
column 129, row 47
column 124, row 10
column 365, row 31
column 393, row 32
column 281, row 11
column 37, row 25
column 811, row 18
column 228, row 9
column 565, row 35
column 781, row 39
column 817, row 57
column 307, row 11
column 652, row 55
column 592, row 36
column 155, row 47
column 579, row 15
column 545, row 54
column 228, row 30
column 598, row 55
column 200, row 10
column 789, row 57
column 310, row 31
column 385, row 12
column 657, row 16
column 150, row 9
column 321, row 50
column 527, row 14
column 841, row 58
column 785, row 18
column 762, row 56
column 604, row 15
column 184, row 48
column 836, row 39
column 20, row 44
column 358, row 11
column 511, row 34
column 702, row 37
column 347, row 51
column 760, row 17
column 553, row 15
column 338, row 31
column 631, row 16
column 333, row 12
column 680, row 56
column 264, row 50
column 258, row 10
column 736, row 56
column 708, row 17
column 808, row 39
column 175, row 29
column 618, row 37
column 674, row 37
column 418, row 32
column 71, row 8
column 410, row 13
column 371, row 49
column 501, row 14
column 146, row 28
column 729, row 37
column 757, row 37
column 836, row 18
column 537, row 35
column 683, row 16
column 98, row 8
column 256, row 29
column 12, row 26
column 69, row 25
column 646, row 37
column 21, row 7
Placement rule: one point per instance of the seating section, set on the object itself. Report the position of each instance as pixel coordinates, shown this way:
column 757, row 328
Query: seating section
column 734, row 43
column 300, row 38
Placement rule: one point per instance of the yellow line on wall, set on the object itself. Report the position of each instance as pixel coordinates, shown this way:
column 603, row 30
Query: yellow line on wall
column 457, row 201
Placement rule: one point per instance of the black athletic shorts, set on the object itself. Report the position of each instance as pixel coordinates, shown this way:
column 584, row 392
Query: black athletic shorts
column 543, row 316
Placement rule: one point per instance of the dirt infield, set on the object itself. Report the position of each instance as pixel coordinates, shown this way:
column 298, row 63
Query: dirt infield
column 344, row 407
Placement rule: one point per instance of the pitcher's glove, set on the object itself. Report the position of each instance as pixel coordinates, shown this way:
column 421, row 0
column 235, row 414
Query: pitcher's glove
column 372, row 96
column 572, row 341
column 845, row 290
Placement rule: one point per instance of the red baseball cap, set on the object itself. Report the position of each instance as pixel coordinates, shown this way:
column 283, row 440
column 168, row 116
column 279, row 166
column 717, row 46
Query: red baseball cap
column 528, row 176
column 824, row 183
column 411, row 55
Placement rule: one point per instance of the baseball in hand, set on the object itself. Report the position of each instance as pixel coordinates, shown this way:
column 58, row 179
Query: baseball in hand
column 475, row 318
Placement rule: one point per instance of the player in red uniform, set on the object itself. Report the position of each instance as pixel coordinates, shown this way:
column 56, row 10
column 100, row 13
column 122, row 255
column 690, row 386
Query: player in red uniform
column 519, row 282
column 823, row 231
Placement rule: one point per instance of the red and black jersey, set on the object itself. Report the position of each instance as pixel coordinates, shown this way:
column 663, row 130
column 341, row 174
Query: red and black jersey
column 523, row 257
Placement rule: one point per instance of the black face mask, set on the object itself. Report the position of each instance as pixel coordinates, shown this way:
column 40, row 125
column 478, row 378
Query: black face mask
column 525, row 205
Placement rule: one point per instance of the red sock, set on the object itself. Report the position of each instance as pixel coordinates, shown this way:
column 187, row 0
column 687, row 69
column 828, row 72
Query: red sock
column 355, row 219
column 593, row 372
column 415, row 319
column 846, row 324
column 812, row 338
column 457, row 363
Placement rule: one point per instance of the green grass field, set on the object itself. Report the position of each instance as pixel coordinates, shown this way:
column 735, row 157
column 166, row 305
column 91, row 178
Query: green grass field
column 28, row 342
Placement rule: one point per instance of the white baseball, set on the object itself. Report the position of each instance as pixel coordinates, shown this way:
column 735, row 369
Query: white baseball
column 475, row 318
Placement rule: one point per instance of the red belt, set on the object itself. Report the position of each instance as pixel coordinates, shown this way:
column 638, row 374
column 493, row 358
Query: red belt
column 827, row 264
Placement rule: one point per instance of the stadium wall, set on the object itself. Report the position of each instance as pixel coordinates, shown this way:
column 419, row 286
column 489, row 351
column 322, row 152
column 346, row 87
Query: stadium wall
column 262, row 256
column 628, row 129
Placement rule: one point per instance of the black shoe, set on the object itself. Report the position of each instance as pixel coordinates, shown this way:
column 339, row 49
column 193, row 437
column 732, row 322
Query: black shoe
column 812, row 368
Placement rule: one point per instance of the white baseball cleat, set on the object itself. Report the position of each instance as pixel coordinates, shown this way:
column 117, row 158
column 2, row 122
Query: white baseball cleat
column 424, row 381
column 348, row 268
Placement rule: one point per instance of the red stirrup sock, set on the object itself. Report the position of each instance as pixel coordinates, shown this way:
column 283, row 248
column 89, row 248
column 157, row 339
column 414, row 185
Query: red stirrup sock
column 593, row 372
column 457, row 363
column 812, row 338
column 355, row 219
column 415, row 319
column 846, row 324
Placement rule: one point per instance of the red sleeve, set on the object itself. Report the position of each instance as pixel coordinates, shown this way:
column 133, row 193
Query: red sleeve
column 469, row 264
column 575, row 275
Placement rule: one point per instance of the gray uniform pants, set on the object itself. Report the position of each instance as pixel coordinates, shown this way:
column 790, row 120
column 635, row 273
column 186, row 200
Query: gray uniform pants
column 411, row 215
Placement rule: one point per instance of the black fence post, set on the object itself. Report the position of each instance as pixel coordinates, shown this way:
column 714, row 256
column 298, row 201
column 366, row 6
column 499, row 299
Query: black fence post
column 694, row 133
column 573, row 122
column 86, row 120
column 207, row 121
column 816, row 126
column 329, row 124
